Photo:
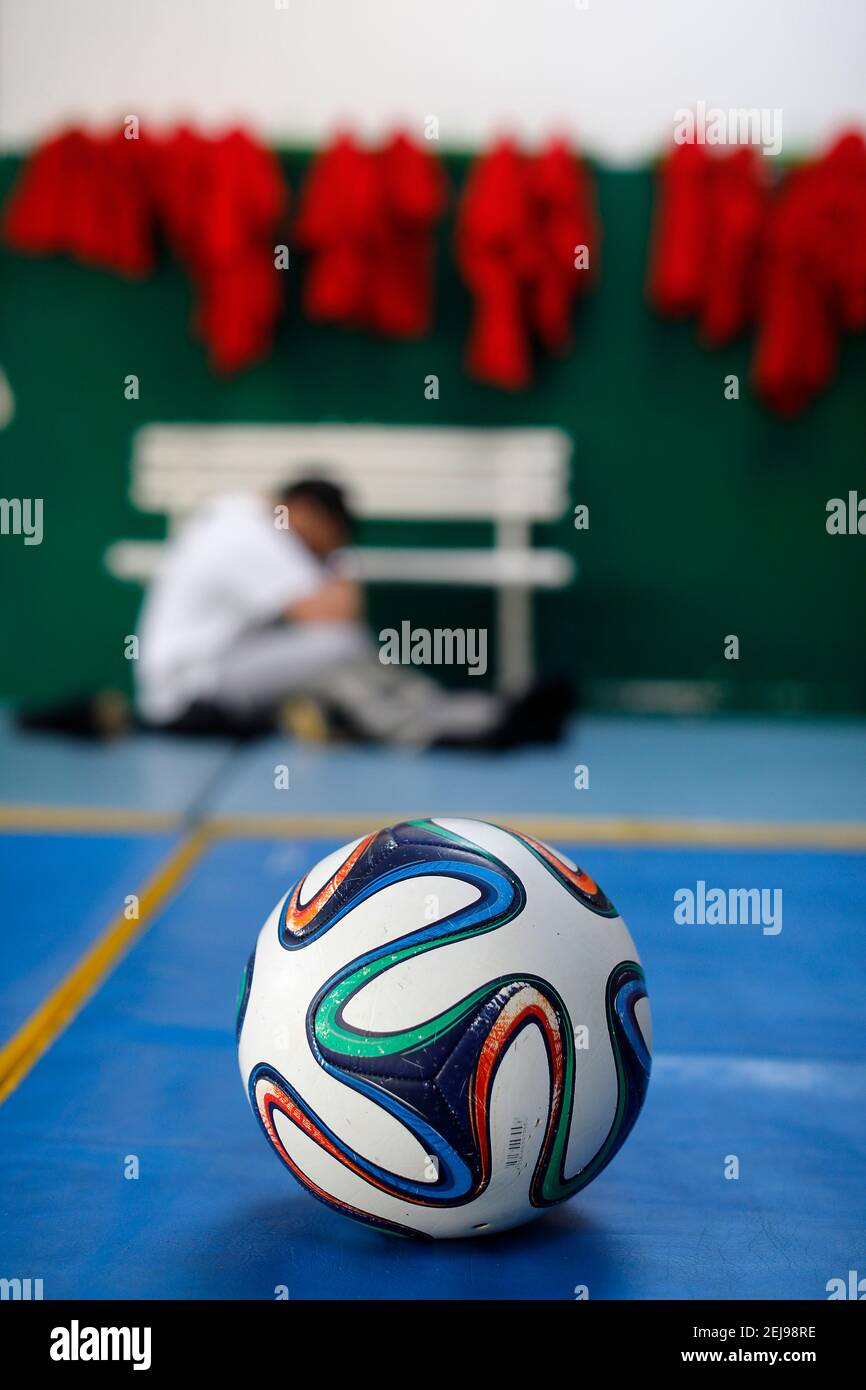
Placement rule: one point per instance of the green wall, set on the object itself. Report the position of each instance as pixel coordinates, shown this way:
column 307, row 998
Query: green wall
column 707, row 516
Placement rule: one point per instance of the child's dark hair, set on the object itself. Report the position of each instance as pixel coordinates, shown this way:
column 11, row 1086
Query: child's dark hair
column 327, row 495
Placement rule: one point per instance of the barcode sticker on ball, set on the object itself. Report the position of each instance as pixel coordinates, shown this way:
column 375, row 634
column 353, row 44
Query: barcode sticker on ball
column 515, row 1144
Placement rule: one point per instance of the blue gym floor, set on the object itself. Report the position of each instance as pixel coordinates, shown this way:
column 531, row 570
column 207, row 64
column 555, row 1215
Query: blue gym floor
column 759, row 1040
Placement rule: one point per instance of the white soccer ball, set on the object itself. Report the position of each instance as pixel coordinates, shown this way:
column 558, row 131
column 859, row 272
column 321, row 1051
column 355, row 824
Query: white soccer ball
column 444, row 1029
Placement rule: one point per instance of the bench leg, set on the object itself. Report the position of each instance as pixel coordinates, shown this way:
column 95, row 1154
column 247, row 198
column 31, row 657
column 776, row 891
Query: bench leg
column 514, row 639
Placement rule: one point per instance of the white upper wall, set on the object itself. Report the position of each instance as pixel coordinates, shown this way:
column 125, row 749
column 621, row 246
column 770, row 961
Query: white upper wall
column 609, row 72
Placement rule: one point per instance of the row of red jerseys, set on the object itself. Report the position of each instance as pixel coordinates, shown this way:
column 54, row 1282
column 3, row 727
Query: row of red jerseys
column 526, row 228
column 734, row 249
column 729, row 247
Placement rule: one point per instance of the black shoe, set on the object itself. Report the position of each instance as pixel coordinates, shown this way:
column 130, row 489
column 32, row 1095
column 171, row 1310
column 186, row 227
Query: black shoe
column 206, row 720
column 90, row 717
column 536, row 716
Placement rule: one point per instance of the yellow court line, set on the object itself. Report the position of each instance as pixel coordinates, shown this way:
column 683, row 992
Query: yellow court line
column 625, row 830
column 56, row 1012
column 107, row 818
column 620, row 830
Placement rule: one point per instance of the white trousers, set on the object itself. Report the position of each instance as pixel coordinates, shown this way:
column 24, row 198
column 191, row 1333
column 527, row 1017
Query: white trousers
column 338, row 664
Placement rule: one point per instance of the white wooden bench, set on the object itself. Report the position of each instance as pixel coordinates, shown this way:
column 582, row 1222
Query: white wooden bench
column 508, row 477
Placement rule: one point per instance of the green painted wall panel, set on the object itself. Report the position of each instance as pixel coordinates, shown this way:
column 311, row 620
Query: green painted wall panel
column 707, row 516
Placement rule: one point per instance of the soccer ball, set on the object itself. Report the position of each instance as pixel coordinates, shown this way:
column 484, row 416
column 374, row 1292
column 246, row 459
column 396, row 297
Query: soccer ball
column 443, row 1029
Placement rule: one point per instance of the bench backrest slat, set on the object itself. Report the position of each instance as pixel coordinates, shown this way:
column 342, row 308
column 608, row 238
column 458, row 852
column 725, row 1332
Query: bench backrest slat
column 388, row 472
